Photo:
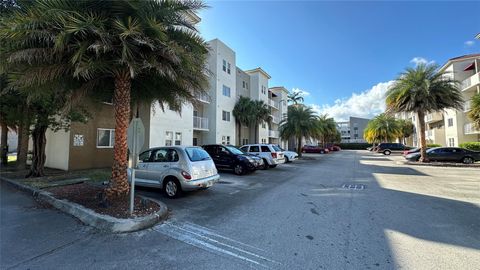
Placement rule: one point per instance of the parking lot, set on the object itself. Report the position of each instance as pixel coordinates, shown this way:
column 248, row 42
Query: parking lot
column 345, row 210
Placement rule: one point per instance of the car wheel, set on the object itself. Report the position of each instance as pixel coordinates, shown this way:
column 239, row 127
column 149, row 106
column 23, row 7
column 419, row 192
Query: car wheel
column 387, row 152
column 238, row 169
column 468, row 160
column 286, row 159
column 266, row 166
column 172, row 188
column 273, row 166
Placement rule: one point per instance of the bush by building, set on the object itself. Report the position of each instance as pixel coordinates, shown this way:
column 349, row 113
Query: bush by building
column 475, row 146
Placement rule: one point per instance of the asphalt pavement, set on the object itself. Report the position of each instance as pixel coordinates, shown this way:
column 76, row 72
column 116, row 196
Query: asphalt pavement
column 346, row 210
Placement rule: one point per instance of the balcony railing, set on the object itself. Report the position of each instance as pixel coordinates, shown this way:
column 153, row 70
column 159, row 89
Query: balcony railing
column 470, row 128
column 203, row 97
column 467, row 106
column 273, row 133
column 275, row 119
column 433, row 117
column 200, row 123
column 273, row 103
column 429, row 133
column 472, row 80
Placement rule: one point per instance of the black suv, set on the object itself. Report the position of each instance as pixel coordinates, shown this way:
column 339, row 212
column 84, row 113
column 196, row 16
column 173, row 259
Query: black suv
column 388, row 148
column 231, row 158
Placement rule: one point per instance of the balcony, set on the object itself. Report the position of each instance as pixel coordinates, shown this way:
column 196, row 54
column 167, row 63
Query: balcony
column 200, row 123
column 273, row 103
column 275, row 119
column 469, row 83
column 433, row 117
column 469, row 128
column 435, row 135
column 467, row 106
column 273, row 134
column 203, row 97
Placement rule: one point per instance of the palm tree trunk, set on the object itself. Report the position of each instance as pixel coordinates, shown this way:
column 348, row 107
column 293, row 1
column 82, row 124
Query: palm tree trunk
column 4, row 144
column 423, row 142
column 299, row 146
column 23, row 138
column 239, row 134
column 119, row 182
column 37, row 169
column 256, row 133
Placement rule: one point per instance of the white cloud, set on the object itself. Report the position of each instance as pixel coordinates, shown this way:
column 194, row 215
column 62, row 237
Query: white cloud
column 469, row 43
column 367, row 104
column 421, row 60
column 303, row 93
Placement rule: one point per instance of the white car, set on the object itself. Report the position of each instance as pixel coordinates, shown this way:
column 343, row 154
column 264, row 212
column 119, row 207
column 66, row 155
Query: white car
column 289, row 155
column 175, row 169
column 271, row 154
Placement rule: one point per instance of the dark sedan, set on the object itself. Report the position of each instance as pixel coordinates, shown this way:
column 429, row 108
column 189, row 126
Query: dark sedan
column 448, row 154
column 314, row 149
column 231, row 158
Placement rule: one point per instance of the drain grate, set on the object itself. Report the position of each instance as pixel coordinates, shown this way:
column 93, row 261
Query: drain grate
column 354, row 186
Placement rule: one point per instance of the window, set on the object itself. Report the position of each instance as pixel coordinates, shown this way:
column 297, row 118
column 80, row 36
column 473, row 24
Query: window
column 243, row 85
column 264, row 140
column 246, row 84
column 264, row 90
column 195, row 141
column 145, row 156
column 178, row 138
column 168, row 138
column 105, row 138
column 197, row 154
column 244, row 141
column 451, row 142
column 263, row 125
column 226, row 140
column 226, row 91
column 228, row 68
column 224, row 65
column 450, row 122
column 165, row 155
column 265, row 148
column 244, row 148
column 254, row 149
column 226, row 116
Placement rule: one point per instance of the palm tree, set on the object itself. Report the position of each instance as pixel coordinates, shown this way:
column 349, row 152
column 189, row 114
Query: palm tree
column 301, row 122
column 295, row 97
column 406, row 128
column 243, row 114
column 474, row 112
column 133, row 49
column 327, row 129
column 423, row 90
column 382, row 127
column 260, row 112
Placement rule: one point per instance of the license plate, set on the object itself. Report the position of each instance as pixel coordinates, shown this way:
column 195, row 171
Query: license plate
column 209, row 183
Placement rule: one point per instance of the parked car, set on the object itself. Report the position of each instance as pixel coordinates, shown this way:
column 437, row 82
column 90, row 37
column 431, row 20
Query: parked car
column 413, row 150
column 388, row 148
column 175, row 169
column 313, row 149
column 332, row 148
column 271, row 154
column 448, row 154
column 289, row 155
column 231, row 158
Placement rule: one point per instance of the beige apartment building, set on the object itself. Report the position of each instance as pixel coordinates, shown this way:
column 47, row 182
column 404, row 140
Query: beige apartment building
column 452, row 127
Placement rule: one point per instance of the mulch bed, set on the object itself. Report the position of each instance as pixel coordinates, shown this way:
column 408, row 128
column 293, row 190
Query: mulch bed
column 88, row 196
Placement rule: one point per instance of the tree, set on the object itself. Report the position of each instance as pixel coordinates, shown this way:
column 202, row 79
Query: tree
column 260, row 112
column 423, row 90
column 243, row 114
column 382, row 127
column 301, row 122
column 327, row 130
column 136, row 50
column 406, row 128
column 474, row 112
column 295, row 97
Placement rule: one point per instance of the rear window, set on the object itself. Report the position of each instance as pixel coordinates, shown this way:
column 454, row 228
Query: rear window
column 276, row 148
column 197, row 154
column 265, row 148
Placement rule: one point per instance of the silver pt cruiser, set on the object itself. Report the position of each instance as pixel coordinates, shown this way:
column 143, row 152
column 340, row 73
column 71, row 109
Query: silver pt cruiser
column 175, row 169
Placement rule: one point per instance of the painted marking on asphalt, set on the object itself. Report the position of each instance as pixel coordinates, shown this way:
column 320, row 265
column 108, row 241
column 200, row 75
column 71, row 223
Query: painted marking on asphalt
column 208, row 240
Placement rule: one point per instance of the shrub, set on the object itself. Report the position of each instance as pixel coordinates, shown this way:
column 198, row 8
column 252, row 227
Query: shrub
column 354, row 146
column 475, row 146
column 431, row 145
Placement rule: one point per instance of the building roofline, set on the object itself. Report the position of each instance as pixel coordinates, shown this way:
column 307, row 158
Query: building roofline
column 279, row 87
column 194, row 16
column 259, row 69
column 459, row 58
column 477, row 36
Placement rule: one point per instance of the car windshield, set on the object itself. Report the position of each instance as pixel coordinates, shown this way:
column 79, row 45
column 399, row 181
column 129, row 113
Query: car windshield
column 234, row 150
column 197, row 154
column 276, row 148
column 431, row 149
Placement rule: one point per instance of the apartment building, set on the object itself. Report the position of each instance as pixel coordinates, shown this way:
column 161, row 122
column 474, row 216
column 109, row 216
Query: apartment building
column 351, row 131
column 452, row 127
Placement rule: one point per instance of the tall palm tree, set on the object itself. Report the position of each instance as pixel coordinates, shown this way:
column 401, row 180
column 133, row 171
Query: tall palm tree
column 301, row 122
column 327, row 129
column 474, row 112
column 406, row 128
column 134, row 49
column 260, row 113
column 243, row 114
column 295, row 97
column 423, row 90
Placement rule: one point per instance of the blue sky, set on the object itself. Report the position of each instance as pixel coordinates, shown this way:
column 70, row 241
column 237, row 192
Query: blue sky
column 334, row 50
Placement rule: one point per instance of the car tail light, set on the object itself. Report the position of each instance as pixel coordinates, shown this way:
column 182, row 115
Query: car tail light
column 186, row 175
column 274, row 155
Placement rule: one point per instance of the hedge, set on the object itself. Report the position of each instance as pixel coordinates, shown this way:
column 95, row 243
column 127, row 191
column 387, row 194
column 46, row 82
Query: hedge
column 475, row 146
column 354, row 146
column 431, row 145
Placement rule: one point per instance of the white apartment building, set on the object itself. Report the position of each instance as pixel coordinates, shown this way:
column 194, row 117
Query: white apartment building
column 452, row 127
column 351, row 131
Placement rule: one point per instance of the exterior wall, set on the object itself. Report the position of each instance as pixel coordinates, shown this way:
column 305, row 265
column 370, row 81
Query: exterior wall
column 352, row 131
column 162, row 122
column 259, row 80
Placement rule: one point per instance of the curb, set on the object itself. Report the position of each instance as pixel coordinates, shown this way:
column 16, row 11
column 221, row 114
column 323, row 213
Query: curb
column 436, row 164
column 90, row 217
